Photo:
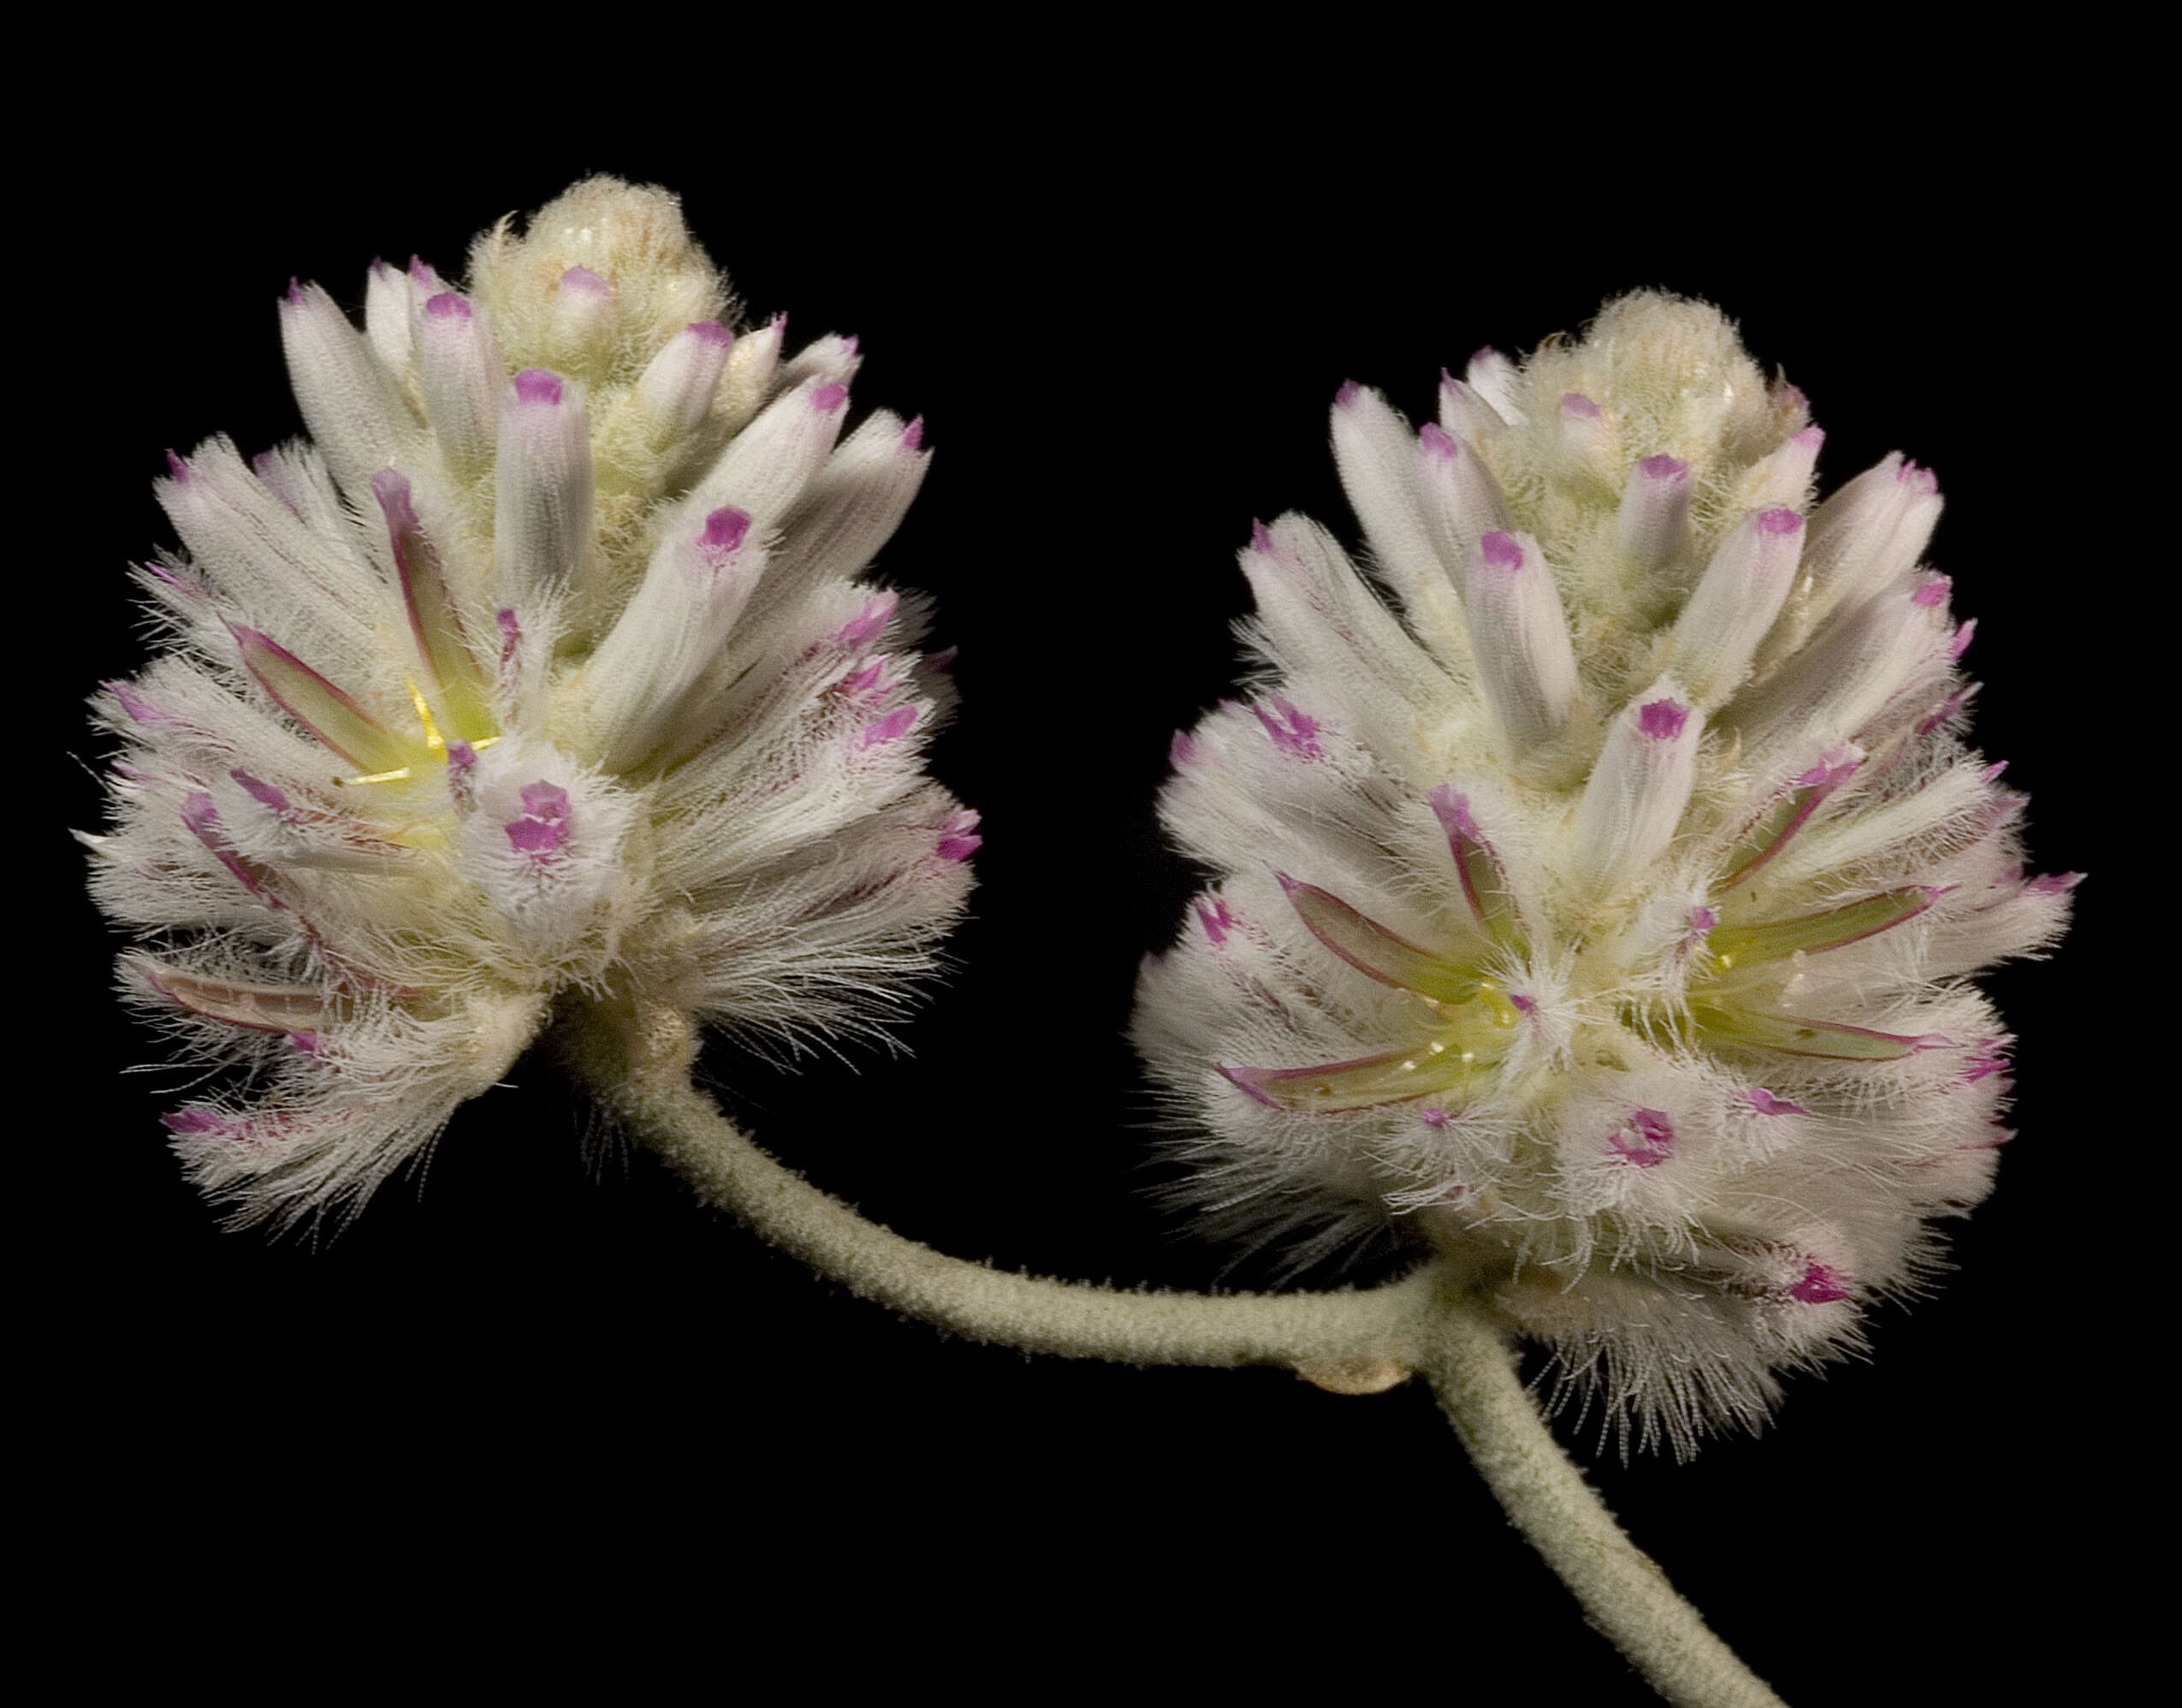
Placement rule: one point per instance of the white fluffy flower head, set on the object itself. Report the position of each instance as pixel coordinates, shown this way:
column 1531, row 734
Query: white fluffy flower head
column 543, row 670
column 1603, row 912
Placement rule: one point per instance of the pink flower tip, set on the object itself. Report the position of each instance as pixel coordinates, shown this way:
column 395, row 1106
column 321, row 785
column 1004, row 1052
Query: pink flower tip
column 1182, row 751
column 1432, row 1117
column 1779, row 520
column 448, row 306
column 1662, row 719
column 1501, row 551
column 829, row 397
column 1664, row 468
column 1962, row 637
column 294, row 292
column 1821, row 1285
column 1933, row 592
column 2055, row 883
column 958, row 837
column 1437, row 439
column 176, row 468
column 725, row 529
column 391, row 488
column 584, row 280
column 1261, row 539
column 1576, row 404
column 1645, row 1140
column 874, row 616
column 892, row 728
column 913, row 434
column 538, row 385
column 1765, row 1103
column 710, row 332
column 1346, row 395
column 1925, row 481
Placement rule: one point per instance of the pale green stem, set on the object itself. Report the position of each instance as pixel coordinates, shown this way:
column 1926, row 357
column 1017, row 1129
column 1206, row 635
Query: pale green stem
column 637, row 1064
column 1626, row 1595
column 1354, row 1341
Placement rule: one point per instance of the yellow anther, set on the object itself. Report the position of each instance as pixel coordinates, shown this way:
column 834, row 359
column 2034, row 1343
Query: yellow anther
column 433, row 739
column 1504, row 1012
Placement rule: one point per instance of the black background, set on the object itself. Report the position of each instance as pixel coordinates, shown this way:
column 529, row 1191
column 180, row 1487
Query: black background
column 547, row 1382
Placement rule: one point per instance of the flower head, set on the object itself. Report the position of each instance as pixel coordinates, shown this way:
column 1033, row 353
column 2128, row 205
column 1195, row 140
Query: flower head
column 544, row 668
column 1603, row 911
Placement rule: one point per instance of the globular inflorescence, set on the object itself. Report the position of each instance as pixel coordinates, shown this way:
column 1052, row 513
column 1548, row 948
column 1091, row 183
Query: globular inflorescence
column 545, row 671
column 1597, row 891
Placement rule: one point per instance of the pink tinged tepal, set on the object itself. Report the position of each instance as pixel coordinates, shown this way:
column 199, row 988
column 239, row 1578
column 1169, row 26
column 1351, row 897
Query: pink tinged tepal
column 464, row 701
column 543, row 489
column 654, row 661
column 324, row 709
column 459, row 371
column 1484, row 886
column 676, row 391
column 1735, row 602
column 1632, row 803
column 1526, row 662
column 1652, row 527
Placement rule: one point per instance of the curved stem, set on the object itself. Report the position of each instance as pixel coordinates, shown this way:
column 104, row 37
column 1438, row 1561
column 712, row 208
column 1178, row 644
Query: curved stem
column 1626, row 1595
column 1351, row 1341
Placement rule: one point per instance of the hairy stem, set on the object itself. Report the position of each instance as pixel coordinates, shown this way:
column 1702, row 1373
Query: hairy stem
column 637, row 1064
column 1626, row 1595
column 637, row 1060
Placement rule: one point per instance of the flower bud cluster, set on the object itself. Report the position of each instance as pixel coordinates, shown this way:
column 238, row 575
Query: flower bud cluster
column 1599, row 886
column 545, row 670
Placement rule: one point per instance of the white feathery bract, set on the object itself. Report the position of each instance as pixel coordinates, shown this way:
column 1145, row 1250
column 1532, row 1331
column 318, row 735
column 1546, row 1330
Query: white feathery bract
column 546, row 667
column 1599, row 906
